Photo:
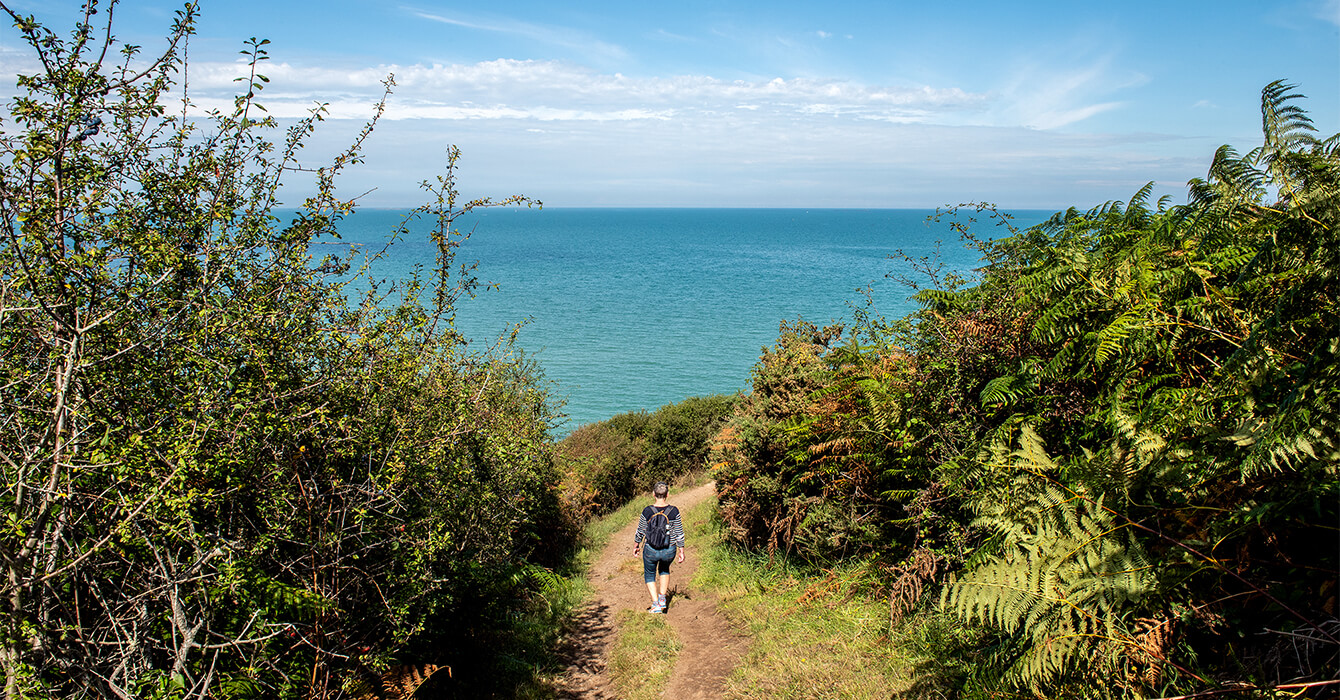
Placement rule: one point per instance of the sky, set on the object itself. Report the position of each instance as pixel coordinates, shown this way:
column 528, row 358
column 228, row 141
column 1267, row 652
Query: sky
column 751, row 104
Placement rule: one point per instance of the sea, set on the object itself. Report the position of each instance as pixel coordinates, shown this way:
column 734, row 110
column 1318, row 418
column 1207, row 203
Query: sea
column 632, row 309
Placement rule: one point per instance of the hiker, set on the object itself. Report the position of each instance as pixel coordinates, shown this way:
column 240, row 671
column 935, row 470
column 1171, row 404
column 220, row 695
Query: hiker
column 660, row 534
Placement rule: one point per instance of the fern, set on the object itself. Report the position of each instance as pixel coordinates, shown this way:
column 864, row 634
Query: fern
column 398, row 683
column 1112, row 337
column 1002, row 389
column 1287, row 130
column 1062, row 580
column 546, row 584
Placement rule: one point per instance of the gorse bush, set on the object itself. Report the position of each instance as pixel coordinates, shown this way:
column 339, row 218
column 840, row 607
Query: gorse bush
column 224, row 475
column 1118, row 443
column 600, row 466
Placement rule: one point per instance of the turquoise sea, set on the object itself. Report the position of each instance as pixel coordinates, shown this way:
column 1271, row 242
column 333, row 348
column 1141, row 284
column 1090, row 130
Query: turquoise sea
column 629, row 309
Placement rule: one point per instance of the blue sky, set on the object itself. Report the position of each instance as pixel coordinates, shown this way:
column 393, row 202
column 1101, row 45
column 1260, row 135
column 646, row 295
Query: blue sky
column 836, row 104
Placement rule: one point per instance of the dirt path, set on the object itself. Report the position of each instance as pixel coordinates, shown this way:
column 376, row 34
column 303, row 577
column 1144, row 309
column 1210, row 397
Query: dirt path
column 711, row 648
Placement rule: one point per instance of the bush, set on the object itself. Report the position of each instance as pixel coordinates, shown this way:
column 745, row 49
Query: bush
column 1115, row 452
column 224, row 476
column 608, row 463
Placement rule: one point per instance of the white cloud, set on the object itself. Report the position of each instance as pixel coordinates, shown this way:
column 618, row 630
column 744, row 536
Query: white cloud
column 670, row 36
column 357, row 109
column 569, row 133
column 1045, row 95
column 553, row 91
column 1038, row 96
column 1059, row 118
column 823, row 34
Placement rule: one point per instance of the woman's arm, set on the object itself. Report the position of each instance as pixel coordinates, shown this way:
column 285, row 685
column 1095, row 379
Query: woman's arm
column 677, row 534
column 641, row 531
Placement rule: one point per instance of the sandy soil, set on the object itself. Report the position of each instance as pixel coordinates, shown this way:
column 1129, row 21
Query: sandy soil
column 711, row 647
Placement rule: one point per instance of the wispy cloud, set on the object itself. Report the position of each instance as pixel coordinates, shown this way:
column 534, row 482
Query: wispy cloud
column 549, row 91
column 571, row 39
column 359, row 109
column 664, row 35
column 1048, row 95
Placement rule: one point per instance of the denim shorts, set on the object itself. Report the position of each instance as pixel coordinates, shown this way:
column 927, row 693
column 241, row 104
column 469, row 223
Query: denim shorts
column 652, row 558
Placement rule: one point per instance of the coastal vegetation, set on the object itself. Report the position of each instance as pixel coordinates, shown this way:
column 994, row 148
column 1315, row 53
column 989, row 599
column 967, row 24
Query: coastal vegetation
column 225, row 472
column 1109, row 458
column 607, row 463
column 235, row 464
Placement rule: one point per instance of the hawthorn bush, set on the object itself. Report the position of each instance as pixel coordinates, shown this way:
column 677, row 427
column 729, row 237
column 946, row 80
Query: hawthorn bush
column 225, row 475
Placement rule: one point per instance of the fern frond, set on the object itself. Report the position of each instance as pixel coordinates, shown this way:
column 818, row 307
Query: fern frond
column 1062, row 579
column 1286, row 126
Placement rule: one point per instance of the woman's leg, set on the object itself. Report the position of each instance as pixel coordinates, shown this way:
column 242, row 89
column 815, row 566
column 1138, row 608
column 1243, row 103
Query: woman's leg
column 665, row 572
column 649, row 564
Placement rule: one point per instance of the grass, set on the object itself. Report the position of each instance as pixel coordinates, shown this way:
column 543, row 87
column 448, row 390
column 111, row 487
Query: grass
column 643, row 655
column 814, row 633
column 528, row 664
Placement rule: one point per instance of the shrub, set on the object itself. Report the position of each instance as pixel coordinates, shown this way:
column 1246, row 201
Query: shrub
column 225, row 476
column 1133, row 407
column 606, row 464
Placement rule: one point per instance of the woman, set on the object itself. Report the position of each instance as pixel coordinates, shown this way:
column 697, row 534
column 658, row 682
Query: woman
column 660, row 535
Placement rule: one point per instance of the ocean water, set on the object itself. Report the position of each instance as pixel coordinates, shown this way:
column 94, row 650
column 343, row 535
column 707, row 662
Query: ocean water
column 629, row 309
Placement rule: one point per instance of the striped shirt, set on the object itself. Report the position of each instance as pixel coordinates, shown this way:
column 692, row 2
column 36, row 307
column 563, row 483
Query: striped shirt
column 676, row 525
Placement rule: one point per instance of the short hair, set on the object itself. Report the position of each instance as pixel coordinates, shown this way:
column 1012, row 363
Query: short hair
column 660, row 490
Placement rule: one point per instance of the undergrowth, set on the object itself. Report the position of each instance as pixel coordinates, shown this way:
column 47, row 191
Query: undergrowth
column 529, row 664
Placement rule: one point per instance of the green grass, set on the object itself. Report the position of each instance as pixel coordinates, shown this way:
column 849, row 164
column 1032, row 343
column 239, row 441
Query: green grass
column 643, row 655
column 814, row 633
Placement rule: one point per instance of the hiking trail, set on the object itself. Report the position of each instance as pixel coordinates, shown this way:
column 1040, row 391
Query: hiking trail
column 711, row 647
